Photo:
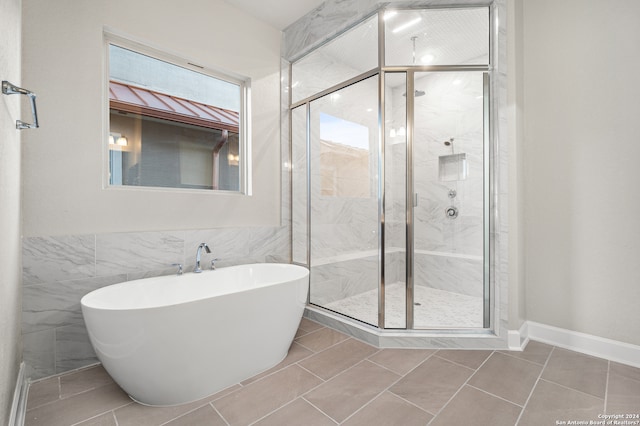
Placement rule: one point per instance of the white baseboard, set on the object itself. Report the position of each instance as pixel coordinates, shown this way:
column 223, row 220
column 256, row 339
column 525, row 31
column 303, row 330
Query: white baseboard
column 517, row 339
column 601, row 347
column 19, row 405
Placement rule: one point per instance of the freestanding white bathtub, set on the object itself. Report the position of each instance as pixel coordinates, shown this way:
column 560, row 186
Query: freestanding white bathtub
column 175, row 339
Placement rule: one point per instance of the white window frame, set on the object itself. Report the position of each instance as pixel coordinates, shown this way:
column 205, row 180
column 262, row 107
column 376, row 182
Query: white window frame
column 111, row 37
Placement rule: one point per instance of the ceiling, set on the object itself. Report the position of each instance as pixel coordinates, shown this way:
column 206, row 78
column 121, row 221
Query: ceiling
column 278, row 13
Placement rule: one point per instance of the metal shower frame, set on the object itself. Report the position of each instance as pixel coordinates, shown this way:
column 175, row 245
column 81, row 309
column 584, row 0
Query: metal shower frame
column 489, row 150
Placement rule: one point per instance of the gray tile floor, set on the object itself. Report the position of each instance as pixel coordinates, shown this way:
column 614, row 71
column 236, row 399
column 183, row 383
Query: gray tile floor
column 329, row 378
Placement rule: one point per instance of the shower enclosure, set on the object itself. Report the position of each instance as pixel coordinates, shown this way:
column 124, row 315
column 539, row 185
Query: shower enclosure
column 392, row 181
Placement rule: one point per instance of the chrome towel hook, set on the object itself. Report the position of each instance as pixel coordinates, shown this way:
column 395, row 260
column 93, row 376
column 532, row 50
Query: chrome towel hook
column 12, row 89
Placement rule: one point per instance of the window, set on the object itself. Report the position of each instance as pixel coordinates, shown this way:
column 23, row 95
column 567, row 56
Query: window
column 171, row 126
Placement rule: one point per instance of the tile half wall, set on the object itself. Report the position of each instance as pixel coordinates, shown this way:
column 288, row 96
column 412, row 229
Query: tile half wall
column 59, row 270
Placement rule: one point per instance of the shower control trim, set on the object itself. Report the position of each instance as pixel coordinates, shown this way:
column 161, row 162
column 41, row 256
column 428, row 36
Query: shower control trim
column 451, row 212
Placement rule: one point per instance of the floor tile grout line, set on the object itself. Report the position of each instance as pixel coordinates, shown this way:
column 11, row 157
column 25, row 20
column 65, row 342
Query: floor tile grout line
column 495, row 396
column 77, row 370
column 410, row 402
column 606, row 386
column 365, row 405
column 319, row 409
column 306, row 331
column 461, row 386
column 228, row 393
column 219, row 413
column 462, row 365
column 329, row 347
column 60, row 398
column 186, row 413
column 535, row 385
column 102, row 413
column 334, row 345
column 92, row 417
column 401, row 374
column 272, row 411
column 522, row 359
column 314, row 375
column 115, row 419
column 285, row 405
column 390, row 370
column 335, row 375
column 307, row 348
column 87, row 390
column 572, row 389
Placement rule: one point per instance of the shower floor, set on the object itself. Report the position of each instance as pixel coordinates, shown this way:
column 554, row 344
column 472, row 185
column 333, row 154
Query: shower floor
column 433, row 308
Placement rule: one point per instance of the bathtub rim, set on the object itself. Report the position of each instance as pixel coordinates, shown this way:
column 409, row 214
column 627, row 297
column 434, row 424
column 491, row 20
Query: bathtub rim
column 170, row 280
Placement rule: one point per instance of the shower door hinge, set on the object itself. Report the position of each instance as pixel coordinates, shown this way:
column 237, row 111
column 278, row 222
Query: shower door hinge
column 415, row 199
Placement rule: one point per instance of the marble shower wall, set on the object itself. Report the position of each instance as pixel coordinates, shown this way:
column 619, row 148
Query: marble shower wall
column 448, row 252
column 58, row 271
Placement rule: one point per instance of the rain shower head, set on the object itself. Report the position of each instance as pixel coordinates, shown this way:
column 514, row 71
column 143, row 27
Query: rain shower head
column 449, row 143
column 416, row 93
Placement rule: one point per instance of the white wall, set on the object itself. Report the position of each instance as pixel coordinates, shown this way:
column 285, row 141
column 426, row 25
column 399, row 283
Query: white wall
column 581, row 165
column 63, row 162
column 10, row 289
column 515, row 95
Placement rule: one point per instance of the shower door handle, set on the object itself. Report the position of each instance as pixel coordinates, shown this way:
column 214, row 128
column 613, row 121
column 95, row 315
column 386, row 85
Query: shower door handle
column 415, row 199
column 12, row 89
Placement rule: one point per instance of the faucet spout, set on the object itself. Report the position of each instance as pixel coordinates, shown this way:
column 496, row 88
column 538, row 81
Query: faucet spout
column 204, row 246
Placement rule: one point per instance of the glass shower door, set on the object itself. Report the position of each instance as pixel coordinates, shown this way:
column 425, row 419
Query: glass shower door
column 449, row 181
column 344, row 146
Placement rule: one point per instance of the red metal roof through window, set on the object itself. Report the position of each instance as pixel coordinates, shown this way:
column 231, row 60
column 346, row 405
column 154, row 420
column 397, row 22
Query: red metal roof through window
column 138, row 100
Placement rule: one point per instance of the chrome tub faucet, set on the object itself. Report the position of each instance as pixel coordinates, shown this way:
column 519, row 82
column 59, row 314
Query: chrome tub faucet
column 198, row 253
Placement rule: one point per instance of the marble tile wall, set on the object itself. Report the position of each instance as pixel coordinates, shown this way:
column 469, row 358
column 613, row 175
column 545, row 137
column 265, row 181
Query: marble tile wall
column 58, row 271
column 338, row 280
column 462, row 275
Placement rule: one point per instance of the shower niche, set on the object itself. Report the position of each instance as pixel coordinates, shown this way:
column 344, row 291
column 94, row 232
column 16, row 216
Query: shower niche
column 391, row 194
